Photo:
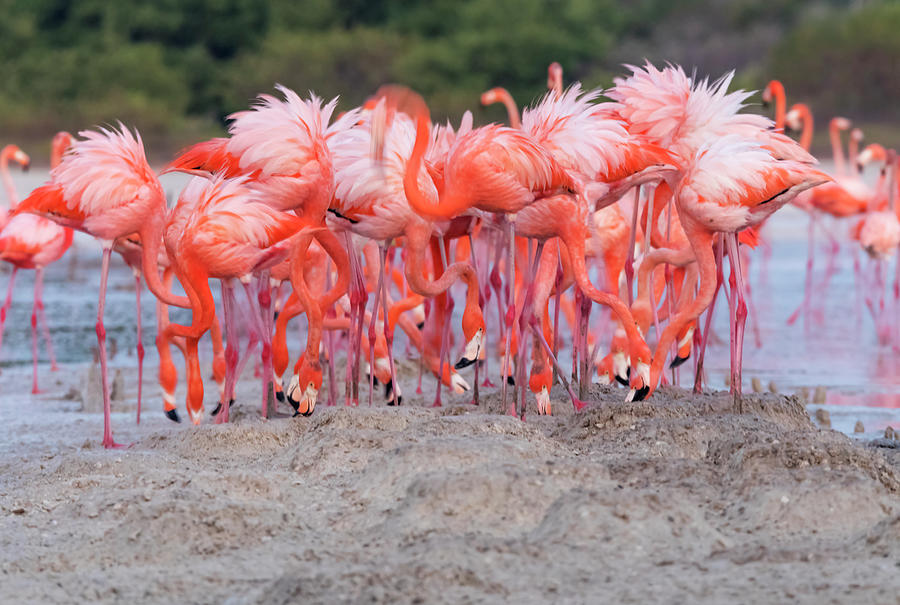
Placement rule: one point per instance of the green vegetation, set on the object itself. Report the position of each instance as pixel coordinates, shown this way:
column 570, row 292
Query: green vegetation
column 177, row 68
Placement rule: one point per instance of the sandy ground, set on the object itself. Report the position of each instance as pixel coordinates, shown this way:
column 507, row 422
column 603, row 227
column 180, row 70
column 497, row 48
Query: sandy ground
column 675, row 500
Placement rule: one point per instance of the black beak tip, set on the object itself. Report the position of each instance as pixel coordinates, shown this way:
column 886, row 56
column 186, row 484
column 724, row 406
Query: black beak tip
column 511, row 381
column 421, row 325
column 173, row 415
column 295, row 405
column 641, row 393
column 217, row 409
column 677, row 362
column 279, row 395
column 464, row 362
column 622, row 381
column 277, row 313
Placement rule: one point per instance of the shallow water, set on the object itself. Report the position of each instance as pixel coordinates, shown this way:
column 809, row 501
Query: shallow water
column 836, row 349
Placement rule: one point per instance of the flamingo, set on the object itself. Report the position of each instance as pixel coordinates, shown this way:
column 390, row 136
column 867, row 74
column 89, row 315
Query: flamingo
column 13, row 153
column 370, row 201
column 774, row 91
column 687, row 117
column 105, row 187
column 220, row 229
column 32, row 242
column 282, row 145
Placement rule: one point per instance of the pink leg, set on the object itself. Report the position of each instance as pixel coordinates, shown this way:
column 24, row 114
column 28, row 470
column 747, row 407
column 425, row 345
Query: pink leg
column 388, row 333
column 140, row 343
column 701, row 353
column 42, row 318
column 807, row 290
column 525, row 319
column 34, row 340
column 740, row 317
column 108, row 441
column 4, row 310
column 579, row 405
column 232, row 354
column 372, row 332
column 510, row 311
column 257, row 319
column 629, row 262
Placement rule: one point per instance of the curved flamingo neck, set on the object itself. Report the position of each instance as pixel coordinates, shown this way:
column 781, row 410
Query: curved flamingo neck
column 853, row 149
column 151, row 240
column 834, row 132
column 414, row 195
column 806, row 117
column 555, row 78
column 11, row 195
column 512, row 111
column 777, row 90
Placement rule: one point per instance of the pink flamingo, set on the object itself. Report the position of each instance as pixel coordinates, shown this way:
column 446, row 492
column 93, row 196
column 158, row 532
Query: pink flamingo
column 282, row 146
column 220, row 229
column 104, row 187
column 32, row 242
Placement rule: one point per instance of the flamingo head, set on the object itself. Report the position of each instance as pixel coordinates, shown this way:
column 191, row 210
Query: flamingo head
column 554, row 76
column 540, row 383
column 494, row 95
column 793, row 120
column 605, row 371
column 18, row 156
column 840, row 123
column 871, row 153
column 303, row 389
column 685, row 341
column 641, row 358
column 620, row 369
column 473, row 331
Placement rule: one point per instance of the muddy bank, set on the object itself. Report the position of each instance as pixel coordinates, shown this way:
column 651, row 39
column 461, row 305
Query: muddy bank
column 672, row 500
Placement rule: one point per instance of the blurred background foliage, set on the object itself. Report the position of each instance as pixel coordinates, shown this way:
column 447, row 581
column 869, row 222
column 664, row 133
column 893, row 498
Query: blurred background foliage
column 177, row 68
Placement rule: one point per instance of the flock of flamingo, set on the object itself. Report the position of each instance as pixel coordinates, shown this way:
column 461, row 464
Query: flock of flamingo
column 654, row 186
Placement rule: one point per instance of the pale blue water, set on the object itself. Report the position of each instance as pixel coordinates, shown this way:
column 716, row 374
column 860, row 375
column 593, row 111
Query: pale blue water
column 840, row 351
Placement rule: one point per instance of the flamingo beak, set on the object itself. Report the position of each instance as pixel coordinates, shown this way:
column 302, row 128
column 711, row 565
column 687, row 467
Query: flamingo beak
column 458, row 384
column 684, row 349
column 303, row 403
column 473, row 347
column 196, row 415
column 543, row 402
column 621, row 369
column 639, row 393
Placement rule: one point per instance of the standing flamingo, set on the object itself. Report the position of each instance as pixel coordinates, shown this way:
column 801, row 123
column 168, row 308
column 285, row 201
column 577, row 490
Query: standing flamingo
column 32, row 242
column 105, row 187
column 220, row 229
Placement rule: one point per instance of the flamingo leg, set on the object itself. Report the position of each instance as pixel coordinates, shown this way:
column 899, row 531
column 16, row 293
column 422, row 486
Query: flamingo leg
column 34, row 339
column 232, row 353
column 525, row 319
column 510, row 310
column 372, row 324
column 629, row 261
column 578, row 403
column 740, row 317
column 701, row 353
column 257, row 318
column 42, row 318
column 108, row 441
column 4, row 310
column 804, row 306
column 140, row 343
column 388, row 332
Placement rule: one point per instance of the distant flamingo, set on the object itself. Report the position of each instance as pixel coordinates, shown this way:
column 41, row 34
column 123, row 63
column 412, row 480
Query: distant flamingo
column 774, row 91
column 105, row 187
column 32, row 242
